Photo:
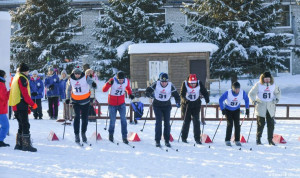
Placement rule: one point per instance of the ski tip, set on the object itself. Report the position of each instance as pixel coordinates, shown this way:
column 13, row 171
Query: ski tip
column 133, row 146
column 240, row 148
column 250, row 149
column 177, row 150
column 167, row 150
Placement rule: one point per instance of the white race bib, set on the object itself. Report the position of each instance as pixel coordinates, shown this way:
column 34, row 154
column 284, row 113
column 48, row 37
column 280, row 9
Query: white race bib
column 266, row 93
column 163, row 94
column 192, row 94
column 234, row 101
column 118, row 89
column 80, row 87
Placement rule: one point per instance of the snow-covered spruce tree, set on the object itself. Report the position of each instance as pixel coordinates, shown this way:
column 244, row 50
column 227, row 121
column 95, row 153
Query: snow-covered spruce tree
column 126, row 22
column 241, row 29
column 45, row 33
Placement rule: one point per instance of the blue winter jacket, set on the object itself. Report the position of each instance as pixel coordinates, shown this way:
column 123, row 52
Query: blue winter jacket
column 62, row 88
column 224, row 97
column 55, row 81
column 36, row 86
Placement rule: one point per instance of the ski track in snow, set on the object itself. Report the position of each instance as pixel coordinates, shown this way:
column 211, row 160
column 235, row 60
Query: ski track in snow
column 64, row 158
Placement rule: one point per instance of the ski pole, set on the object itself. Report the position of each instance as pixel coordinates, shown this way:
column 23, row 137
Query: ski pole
column 217, row 128
column 183, row 122
column 203, row 122
column 65, row 119
column 173, row 118
column 106, row 119
column 251, row 124
column 146, row 116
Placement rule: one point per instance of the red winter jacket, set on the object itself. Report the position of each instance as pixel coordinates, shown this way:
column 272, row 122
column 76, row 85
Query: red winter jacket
column 4, row 95
column 116, row 100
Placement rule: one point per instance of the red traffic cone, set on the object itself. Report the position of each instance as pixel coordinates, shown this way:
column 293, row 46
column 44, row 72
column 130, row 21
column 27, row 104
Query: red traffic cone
column 278, row 139
column 93, row 137
column 205, row 138
column 52, row 137
column 133, row 137
column 242, row 139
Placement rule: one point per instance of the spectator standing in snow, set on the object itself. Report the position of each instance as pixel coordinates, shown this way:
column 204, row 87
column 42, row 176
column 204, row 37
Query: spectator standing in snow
column 233, row 98
column 78, row 91
column 161, row 91
column 62, row 92
column 52, row 85
column 3, row 109
column 116, row 100
column 20, row 100
column 37, row 93
column 191, row 90
column 265, row 94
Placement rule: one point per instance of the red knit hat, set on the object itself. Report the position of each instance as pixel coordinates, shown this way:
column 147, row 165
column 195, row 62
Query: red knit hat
column 192, row 78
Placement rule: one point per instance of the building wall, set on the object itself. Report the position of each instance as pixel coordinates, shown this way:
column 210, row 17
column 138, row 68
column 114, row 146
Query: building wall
column 178, row 66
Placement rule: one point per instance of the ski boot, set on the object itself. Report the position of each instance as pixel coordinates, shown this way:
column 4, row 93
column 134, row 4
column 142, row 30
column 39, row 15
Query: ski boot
column 111, row 137
column 238, row 143
column 157, row 144
column 167, row 144
column 83, row 136
column 227, row 143
column 77, row 138
column 2, row 144
column 125, row 141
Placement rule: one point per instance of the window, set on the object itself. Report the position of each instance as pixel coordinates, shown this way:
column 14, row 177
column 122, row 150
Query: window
column 101, row 13
column 77, row 23
column 160, row 15
column 155, row 68
column 287, row 61
column 285, row 17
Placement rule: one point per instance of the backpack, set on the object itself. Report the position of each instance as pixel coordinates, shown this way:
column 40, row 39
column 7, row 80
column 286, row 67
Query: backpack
column 138, row 108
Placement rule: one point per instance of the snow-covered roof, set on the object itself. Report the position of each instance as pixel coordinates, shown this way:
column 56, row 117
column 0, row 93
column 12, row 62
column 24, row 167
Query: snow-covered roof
column 147, row 48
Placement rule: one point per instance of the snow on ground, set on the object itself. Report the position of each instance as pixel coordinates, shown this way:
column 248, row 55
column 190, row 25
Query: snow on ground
column 65, row 159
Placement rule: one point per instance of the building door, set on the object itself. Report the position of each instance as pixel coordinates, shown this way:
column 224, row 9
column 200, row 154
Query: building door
column 198, row 67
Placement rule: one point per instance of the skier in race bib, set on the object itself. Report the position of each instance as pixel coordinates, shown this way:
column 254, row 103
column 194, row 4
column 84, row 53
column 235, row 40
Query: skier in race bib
column 231, row 110
column 78, row 91
column 265, row 94
column 116, row 102
column 191, row 89
column 162, row 91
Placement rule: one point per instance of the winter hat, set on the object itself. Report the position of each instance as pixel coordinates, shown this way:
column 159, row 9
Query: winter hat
column 164, row 77
column 267, row 75
column 120, row 75
column 192, row 78
column 63, row 72
column 35, row 72
column 2, row 73
column 77, row 71
column 23, row 67
column 51, row 69
column 236, row 85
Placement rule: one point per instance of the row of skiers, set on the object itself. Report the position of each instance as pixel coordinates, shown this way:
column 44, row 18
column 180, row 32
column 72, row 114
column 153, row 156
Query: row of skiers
column 264, row 95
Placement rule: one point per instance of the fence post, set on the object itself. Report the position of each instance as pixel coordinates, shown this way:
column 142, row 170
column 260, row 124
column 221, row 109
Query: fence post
column 287, row 111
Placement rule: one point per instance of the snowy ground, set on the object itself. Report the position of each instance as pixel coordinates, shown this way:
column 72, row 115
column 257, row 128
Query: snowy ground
column 65, row 159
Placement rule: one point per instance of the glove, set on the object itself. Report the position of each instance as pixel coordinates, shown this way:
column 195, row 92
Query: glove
column 275, row 101
column 207, row 100
column 34, row 106
column 224, row 112
column 29, row 111
column 34, row 94
column 94, row 85
column 247, row 112
column 131, row 97
column 51, row 87
column 67, row 101
column 187, row 101
column 111, row 81
column 178, row 105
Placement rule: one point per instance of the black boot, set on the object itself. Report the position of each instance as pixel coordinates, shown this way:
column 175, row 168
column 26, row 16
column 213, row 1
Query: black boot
column 125, row 141
column 258, row 142
column 27, row 146
column 2, row 144
column 157, row 143
column 77, row 138
column 167, row 144
column 184, row 140
column 111, row 137
column 83, row 136
column 198, row 142
column 271, row 143
column 18, row 142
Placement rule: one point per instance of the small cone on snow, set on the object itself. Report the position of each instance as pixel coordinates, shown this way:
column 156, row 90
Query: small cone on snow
column 52, row 137
column 205, row 138
column 60, row 120
column 171, row 138
column 278, row 139
column 299, row 139
column 93, row 137
column 133, row 137
column 242, row 139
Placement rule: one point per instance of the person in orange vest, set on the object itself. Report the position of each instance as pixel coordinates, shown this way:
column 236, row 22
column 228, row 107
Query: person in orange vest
column 78, row 91
column 3, row 109
column 116, row 100
column 20, row 100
